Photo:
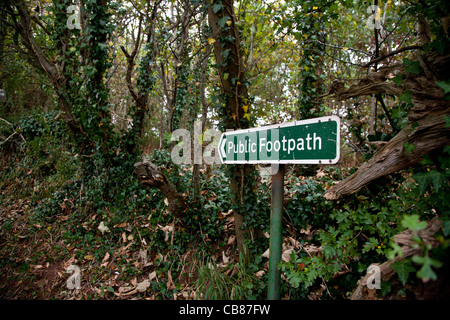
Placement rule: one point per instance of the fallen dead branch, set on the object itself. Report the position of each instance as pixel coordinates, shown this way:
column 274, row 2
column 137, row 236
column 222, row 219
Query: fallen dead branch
column 405, row 240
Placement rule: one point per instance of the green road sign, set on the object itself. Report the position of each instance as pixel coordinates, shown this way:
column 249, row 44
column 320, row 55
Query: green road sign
column 312, row 141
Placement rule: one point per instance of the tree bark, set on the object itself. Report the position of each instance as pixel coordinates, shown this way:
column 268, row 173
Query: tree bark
column 51, row 68
column 426, row 130
column 150, row 175
column 430, row 134
column 231, row 65
column 231, row 69
column 196, row 169
column 409, row 248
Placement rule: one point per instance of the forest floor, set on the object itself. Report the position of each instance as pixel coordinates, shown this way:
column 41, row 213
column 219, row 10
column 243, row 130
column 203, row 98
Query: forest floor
column 35, row 258
column 35, row 261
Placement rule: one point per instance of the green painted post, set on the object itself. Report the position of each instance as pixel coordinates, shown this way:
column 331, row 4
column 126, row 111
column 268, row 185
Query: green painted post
column 276, row 230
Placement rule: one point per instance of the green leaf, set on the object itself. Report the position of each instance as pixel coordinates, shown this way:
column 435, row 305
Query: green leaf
column 436, row 178
column 411, row 66
column 406, row 97
column 422, row 180
column 403, row 268
column 445, row 85
column 398, row 80
column 425, row 178
column 225, row 53
column 386, row 287
column 412, row 222
column 447, row 121
column 409, row 147
column 217, row 7
column 370, row 245
column 294, row 279
column 426, row 160
column 396, row 250
column 446, row 227
column 221, row 22
column 426, row 272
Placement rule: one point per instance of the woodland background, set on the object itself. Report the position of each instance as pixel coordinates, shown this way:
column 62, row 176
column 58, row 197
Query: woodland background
column 91, row 99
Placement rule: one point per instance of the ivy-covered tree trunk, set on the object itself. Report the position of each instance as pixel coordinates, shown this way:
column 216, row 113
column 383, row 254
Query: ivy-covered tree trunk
column 310, row 28
column 77, row 64
column 235, row 110
column 311, row 85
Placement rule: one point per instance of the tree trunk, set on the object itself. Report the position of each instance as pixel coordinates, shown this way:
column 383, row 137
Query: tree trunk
column 151, row 176
column 231, row 69
column 430, row 134
column 426, row 130
column 196, row 169
column 409, row 248
column 373, row 116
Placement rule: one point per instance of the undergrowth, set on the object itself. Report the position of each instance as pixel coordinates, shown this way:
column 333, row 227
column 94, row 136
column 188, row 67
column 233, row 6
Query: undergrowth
column 53, row 215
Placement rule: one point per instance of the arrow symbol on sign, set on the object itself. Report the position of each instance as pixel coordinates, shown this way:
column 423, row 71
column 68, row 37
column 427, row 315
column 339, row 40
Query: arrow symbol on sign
column 222, row 147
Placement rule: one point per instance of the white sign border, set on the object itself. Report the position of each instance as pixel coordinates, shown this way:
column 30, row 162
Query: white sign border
column 282, row 125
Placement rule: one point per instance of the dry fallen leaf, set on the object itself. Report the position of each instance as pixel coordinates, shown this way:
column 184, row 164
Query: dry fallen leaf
column 294, row 242
column 122, row 225
column 320, row 174
column 89, row 257
column 103, row 228
column 307, row 231
column 259, row 273
column 170, row 284
column 105, row 260
column 152, row 276
column 125, row 289
column 312, row 249
column 143, row 286
column 286, row 255
column 225, row 260
column 63, row 218
column 231, row 240
column 167, row 229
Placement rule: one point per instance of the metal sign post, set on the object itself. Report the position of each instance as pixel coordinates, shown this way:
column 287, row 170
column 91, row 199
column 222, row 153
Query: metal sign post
column 312, row 141
column 276, row 232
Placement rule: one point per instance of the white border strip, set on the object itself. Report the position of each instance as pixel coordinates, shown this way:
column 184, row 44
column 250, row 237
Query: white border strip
column 282, row 125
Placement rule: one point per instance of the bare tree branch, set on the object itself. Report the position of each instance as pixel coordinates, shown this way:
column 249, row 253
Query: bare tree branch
column 390, row 54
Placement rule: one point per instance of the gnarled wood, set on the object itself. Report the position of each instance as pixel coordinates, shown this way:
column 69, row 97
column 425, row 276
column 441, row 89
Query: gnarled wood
column 151, row 176
column 430, row 134
column 426, row 129
column 409, row 248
